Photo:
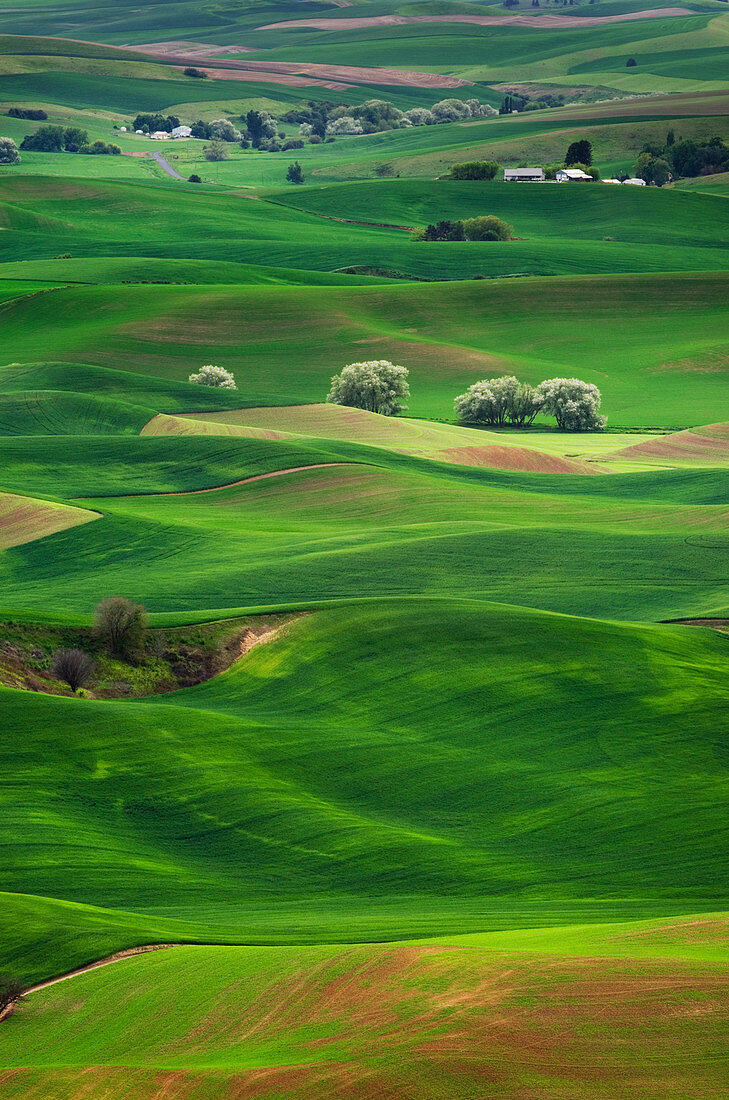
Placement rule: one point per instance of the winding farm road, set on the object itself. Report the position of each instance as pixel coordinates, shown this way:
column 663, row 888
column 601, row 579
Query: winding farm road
column 166, row 166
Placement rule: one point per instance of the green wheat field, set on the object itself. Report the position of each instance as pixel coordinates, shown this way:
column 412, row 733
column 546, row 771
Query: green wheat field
column 417, row 785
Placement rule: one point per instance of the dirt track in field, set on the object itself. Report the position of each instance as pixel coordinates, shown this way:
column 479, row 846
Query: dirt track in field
column 548, row 21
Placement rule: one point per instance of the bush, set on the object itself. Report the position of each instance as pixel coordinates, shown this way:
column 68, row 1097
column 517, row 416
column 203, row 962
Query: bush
column 29, row 113
column 194, row 178
column 574, row 404
column 11, row 991
column 192, row 71
column 120, row 624
column 497, row 401
column 216, row 150
column 295, row 173
column 74, row 138
column 210, row 375
column 200, row 130
column 101, row 148
column 8, row 151
column 377, row 386
column 73, row 666
column 631, row 63
column 260, row 127
column 474, row 170
column 653, row 169
column 487, row 228
column 420, row 116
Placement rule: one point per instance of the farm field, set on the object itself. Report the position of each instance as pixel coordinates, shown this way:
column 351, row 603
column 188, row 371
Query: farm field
column 410, row 777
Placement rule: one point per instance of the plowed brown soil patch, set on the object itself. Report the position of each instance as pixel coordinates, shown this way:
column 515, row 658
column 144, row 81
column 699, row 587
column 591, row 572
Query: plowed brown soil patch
column 199, row 424
column 515, row 458
column 23, row 519
column 707, row 445
column 548, row 21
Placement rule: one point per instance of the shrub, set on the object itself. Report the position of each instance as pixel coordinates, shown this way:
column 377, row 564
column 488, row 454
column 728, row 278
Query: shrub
column 192, row 71
column 653, row 169
column 101, row 148
column 222, row 129
column 200, row 129
column 315, row 140
column 377, row 386
column 487, row 228
column 574, row 404
column 475, row 170
column 295, row 173
column 210, row 375
column 31, row 114
column 73, row 666
column 8, row 151
column 194, row 178
column 11, row 991
column 292, row 143
column 120, row 624
column 74, row 137
column 497, row 401
column 631, row 63
column 216, row 150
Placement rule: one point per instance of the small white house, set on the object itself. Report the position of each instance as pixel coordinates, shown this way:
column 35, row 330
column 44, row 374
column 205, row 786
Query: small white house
column 139, row 131
column 181, row 132
column 160, row 135
column 611, row 181
column 571, row 175
column 122, row 129
column 635, row 182
column 523, row 175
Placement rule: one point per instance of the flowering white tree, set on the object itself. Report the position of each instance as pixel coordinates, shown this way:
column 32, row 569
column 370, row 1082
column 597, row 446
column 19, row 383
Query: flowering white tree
column 420, row 116
column 574, row 404
column 497, row 401
column 210, row 375
column 376, row 385
column 8, row 151
column 450, row 110
column 344, row 125
column 223, row 129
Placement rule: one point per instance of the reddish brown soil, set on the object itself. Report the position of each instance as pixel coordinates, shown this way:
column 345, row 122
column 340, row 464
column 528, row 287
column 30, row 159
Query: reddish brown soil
column 516, row 458
column 548, row 21
column 705, row 444
column 304, row 72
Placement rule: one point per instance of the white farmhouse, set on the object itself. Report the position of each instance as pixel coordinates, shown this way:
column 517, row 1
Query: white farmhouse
column 635, row 182
column 523, row 175
column 182, row 132
column 611, row 181
column 571, row 175
column 160, row 135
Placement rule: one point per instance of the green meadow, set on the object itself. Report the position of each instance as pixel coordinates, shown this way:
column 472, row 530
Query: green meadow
column 458, row 827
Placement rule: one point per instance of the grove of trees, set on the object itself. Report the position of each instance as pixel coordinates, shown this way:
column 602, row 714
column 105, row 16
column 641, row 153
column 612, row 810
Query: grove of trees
column 377, row 385
column 574, row 404
column 486, row 227
column 475, row 170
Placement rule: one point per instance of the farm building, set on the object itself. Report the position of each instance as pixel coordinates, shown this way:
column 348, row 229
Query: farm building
column 160, row 135
column 181, row 132
column 571, row 175
column 523, row 175
column 635, row 182
column 611, row 181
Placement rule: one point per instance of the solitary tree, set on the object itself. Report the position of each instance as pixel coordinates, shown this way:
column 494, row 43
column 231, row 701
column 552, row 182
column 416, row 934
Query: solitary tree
column 11, row 991
column 8, row 151
column 261, row 127
column 295, row 173
column 574, row 404
column 222, row 129
column 579, row 152
column 210, row 375
column 73, row 666
column 377, row 386
column 121, row 625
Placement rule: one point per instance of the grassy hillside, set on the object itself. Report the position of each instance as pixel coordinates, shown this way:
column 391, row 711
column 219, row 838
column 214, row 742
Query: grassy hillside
column 325, row 1021
column 175, row 800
